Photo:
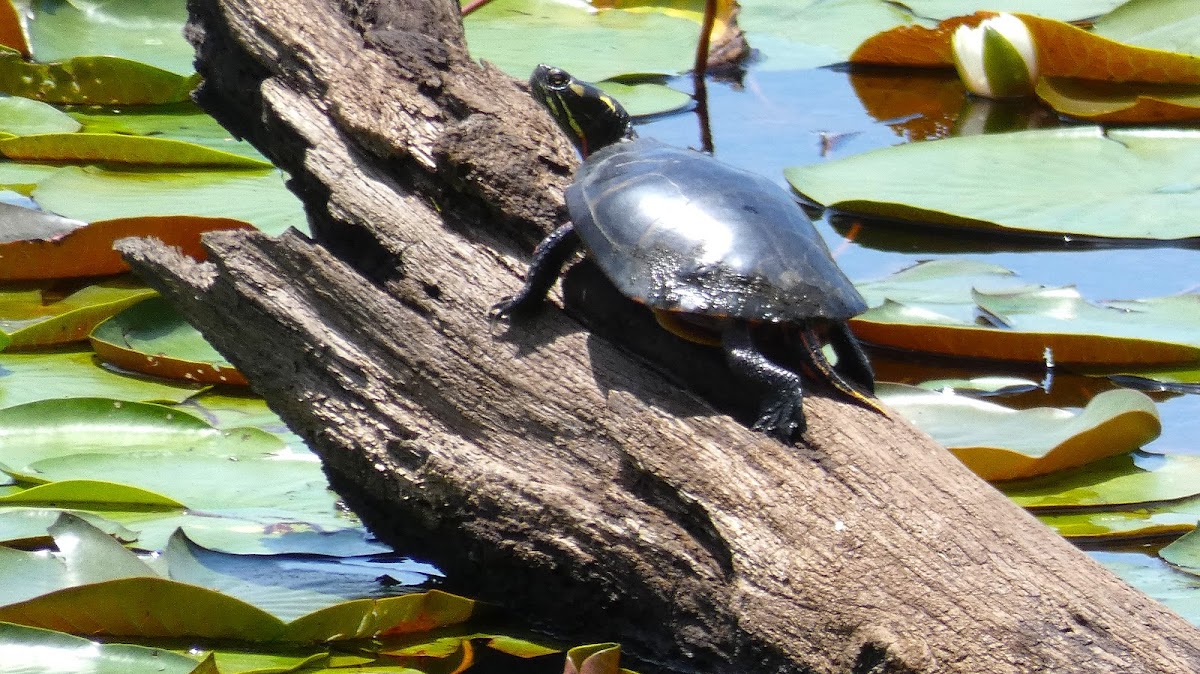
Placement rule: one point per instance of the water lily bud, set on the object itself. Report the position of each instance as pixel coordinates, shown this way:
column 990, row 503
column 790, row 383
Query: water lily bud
column 996, row 59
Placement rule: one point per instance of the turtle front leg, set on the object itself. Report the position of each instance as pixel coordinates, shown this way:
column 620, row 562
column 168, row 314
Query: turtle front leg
column 782, row 412
column 548, row 259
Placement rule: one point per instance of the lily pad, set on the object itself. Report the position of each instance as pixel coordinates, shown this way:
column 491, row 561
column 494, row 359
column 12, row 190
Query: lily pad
column 34, row 432
column 148, row 31
column 93, row 80
column 90, row 494
column 1157, row 520
column 181, row 121
column 109, row 148
column 1063, row 10
column 1156, row 579
column 1117, row 481
column 1171, row 25
column 26, row 378
column 152, row 338
column 1145, row 191
column 646, row 98
column 88, row 251
column 797, row 34
column 21, row 116
column 999, row 443
column 1184, row 554
column 592, row 44
column 32, row 650
column 92, row 194
column 976, row 310
column 1065, row 50
column 1121, row 103
column 40, row 316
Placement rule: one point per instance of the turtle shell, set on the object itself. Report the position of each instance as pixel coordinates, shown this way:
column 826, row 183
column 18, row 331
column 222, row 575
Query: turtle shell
column 680, row 231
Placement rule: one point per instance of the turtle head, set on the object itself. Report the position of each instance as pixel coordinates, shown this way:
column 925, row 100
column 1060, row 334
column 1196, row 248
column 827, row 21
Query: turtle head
column 592, row 118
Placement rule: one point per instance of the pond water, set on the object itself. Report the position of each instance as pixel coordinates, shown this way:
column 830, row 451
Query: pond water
column 772, row 120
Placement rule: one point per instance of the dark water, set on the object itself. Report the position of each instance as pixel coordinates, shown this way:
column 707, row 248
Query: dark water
column 772, row 120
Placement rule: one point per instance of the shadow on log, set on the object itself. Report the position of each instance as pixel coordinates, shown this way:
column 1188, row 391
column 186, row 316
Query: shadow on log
column 543, row 467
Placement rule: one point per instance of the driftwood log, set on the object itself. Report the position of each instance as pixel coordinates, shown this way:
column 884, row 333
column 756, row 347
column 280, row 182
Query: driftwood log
column 545, row 468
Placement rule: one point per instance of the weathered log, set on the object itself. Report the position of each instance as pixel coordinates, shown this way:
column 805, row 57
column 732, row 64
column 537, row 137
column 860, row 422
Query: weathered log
column 547, row 469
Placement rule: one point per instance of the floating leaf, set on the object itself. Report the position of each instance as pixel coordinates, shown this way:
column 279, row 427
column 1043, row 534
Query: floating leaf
column 148, row 31
column 39, row 317
column 26, row 378
column 20, row 526
column 1184, row 554
column 594, row 659
column 591, row 44
column 19, row 224
column 1117, row 481
column 93, row 80
column 12, row 32
column 152, row 338
column 805, row 34
column 181, row 121
column 92, row 194
column 975, row 310
column 110, row 148
column 646, row 98
column 1169, row 519
column 37, row 431
column 1171, row 25
column 88, row 251
column 22, row 116
column 1067, row 51
column 1064, row 10
column 916, row 45
column 1121, row 103
column 1145, row 192
column 90, row 493
column 999, row 443
column 30, row 649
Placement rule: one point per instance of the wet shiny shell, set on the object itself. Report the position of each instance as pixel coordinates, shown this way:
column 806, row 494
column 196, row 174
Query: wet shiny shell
column 680, row 231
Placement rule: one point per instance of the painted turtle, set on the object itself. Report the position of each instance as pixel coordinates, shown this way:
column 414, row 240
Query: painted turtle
column 716, row 252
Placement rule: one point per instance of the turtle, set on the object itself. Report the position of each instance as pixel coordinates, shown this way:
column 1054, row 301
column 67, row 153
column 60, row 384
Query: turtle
column 719, row 254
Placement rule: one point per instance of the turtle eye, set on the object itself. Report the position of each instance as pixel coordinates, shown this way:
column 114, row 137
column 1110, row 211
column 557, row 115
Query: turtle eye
column 558, row 79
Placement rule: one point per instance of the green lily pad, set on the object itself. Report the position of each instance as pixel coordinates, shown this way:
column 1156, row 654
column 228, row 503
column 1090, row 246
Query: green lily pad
column 799, row 34
column 93, row 80
column 91, row 194
column 26, row 378
column 975, row 310
column 37, row 316
column 33, row 650
column 108, row 148
column 1170, row 25
column 182, row 121
column 21, row 524
column 982, row 386
column 23, row 116
column 34, row 432
column 90, row 494
column 592, row 45
column 1145, row 189
column 148, row 31
column 152, row 338
column 1117, row 481
column 1168, row 519
column 1184, row 554
column 646, row 98
column 999, row 443
column 1063, row 10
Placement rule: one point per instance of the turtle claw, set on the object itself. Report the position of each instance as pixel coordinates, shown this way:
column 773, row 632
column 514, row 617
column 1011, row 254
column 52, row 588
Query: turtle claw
column 782, row 417
column 502, row 310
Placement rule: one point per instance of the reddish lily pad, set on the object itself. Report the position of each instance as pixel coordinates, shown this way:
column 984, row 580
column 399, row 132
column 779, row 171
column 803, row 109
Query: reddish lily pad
column 152, row 338
column 1121, row 103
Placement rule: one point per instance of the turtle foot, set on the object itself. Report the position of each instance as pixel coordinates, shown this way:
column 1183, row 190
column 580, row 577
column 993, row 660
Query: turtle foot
column 782, row 417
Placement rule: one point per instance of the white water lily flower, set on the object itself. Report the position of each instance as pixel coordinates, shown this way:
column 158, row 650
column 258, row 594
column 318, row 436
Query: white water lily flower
column 997, row 59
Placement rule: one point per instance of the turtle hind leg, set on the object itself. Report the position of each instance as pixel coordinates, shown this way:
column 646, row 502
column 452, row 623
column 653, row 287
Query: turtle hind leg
column 782, row 411
column 858, row 382
column 852, row 360
column 548, row 259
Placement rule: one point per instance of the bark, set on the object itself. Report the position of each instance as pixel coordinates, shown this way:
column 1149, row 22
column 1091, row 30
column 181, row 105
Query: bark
column 547, row 469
